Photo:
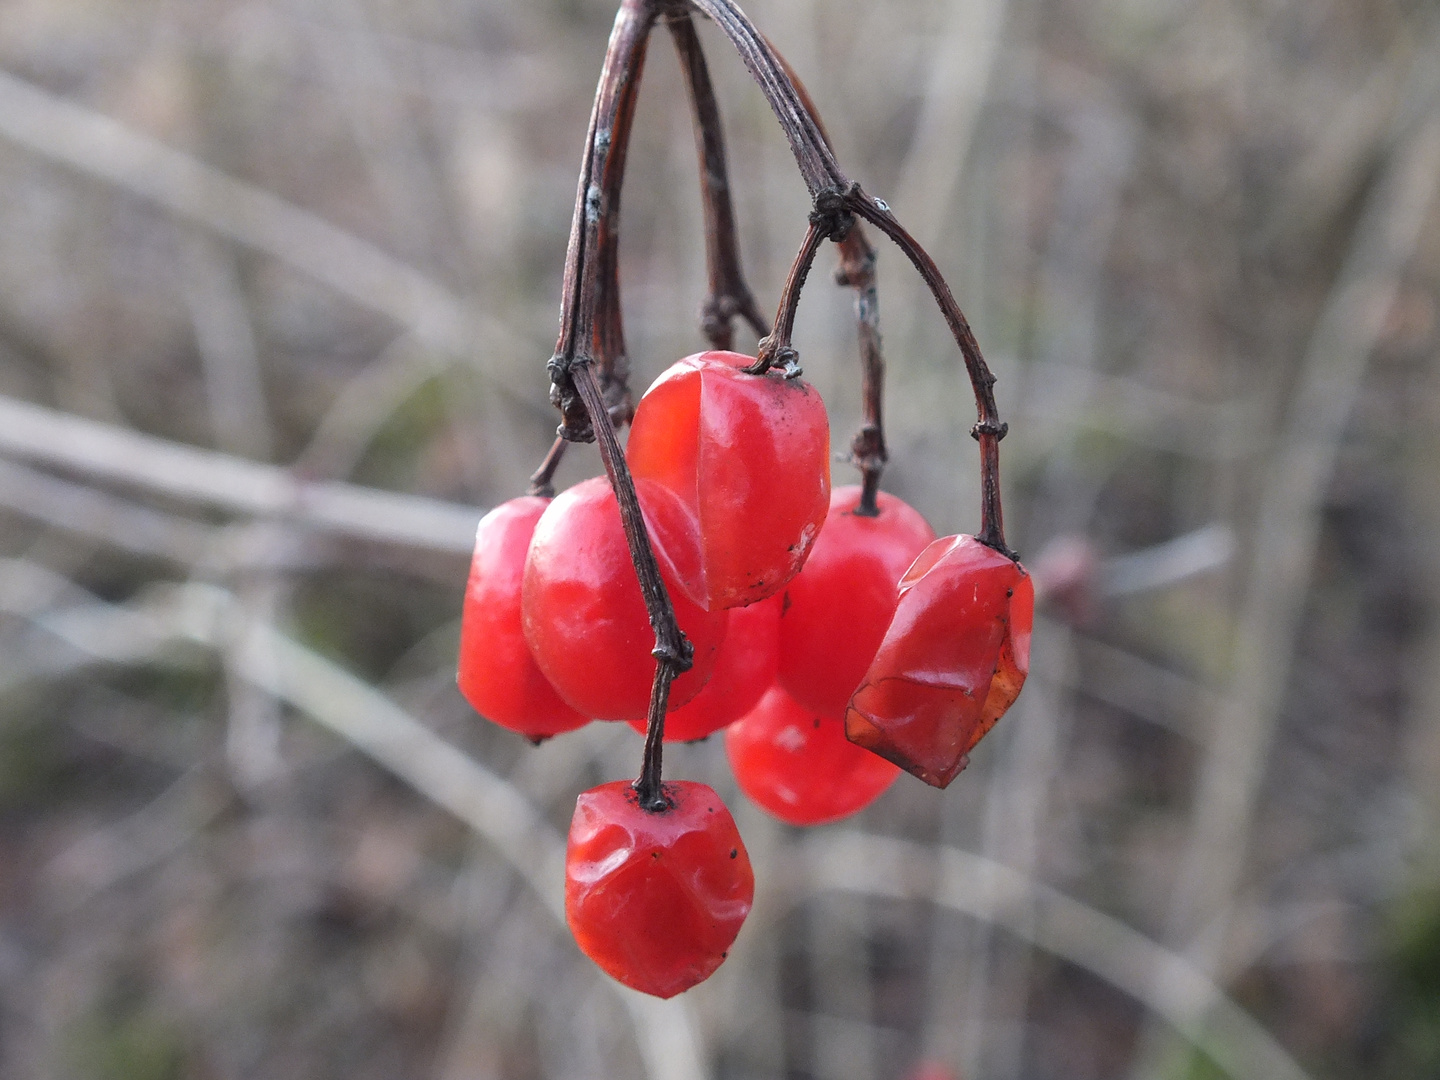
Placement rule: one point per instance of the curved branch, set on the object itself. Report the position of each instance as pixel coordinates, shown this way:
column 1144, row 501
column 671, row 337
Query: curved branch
column 807, row 142
column 988, row 429
column 1164, row 981
column 834, row 196
column 590, row 326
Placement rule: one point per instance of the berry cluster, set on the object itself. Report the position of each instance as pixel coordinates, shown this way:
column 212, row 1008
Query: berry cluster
column 833, row 656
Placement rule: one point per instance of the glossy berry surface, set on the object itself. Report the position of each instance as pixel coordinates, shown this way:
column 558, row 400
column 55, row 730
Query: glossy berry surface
column 656, row 899
column 582, row 611
column 839, row 605
column 744, row 670
column 749, row 456
column 799, row 766
column 953, row 659
column 497, row 674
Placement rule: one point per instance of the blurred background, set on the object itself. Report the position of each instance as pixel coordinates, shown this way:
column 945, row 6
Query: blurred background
column 278, row 280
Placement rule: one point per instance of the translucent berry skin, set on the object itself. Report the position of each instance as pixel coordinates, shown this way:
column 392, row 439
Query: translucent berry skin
column 839, row 605
column 581, row 607
column 656, row 899
column 744, row 670
column 953, row 660
column 798, row 766
column 497, row 674
column 749, row 456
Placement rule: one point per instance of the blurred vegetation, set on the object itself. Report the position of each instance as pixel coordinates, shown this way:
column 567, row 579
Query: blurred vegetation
column 1200, row 245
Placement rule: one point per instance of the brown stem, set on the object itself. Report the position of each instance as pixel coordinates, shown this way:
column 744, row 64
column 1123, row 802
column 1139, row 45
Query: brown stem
column 729, row 295
column 591, row 337
column 857, row 270
column 834, row 194
column 590, row 326
column 673, row 653
column 542, row 480
column 867, row 450
column 817, row 163
column 988, row 429
column 775, row 348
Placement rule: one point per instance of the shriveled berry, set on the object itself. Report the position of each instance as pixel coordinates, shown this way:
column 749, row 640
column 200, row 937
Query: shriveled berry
column 798, row 765
column 749, row 456
column 497, row 674
column 656, row 898
column 953, row 660
column 837, row 608
column 744, row 670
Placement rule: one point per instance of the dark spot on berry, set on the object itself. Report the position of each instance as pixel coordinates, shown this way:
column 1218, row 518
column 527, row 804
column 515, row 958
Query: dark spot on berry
column 654, row 854
column 1009, row 592
column 817, row 723
column 734, row 852
column 724, row 954
column 785, row 604
column 536, row 740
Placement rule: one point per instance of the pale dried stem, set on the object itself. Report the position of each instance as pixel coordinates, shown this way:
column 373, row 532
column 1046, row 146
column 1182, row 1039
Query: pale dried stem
column 106, row 452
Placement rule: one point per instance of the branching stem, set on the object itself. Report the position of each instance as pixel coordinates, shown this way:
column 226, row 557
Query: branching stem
column 988, row 429
column 857, row 270
column 589, row 369
column 828, row 185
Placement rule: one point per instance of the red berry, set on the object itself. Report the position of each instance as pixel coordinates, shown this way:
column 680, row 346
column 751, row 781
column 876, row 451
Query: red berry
column 656, row 898
column 798, row 765
column 839, row 605
column 953, row 659
column 749, row 455
column 497, row 674
column 583, row 613
column 744, row 669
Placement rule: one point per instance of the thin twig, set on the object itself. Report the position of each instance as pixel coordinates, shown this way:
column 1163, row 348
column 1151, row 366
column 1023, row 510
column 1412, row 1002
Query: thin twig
column 729, row 295
column 775, row 349
column 117, row 522
column 106, row 452
column 857, row 270
column 99, row 146
column 1288, row 530
column 542, row 480
column 817, row 164
column 988, row 429
column 867, row 450
column 835, row 198
column 369, row 721
column 673, row 653
column 590, row 329
column 1164, row 981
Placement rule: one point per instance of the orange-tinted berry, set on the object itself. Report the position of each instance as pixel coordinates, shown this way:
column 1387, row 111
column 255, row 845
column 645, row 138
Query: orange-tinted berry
column 953, row 660
column 656, row 898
